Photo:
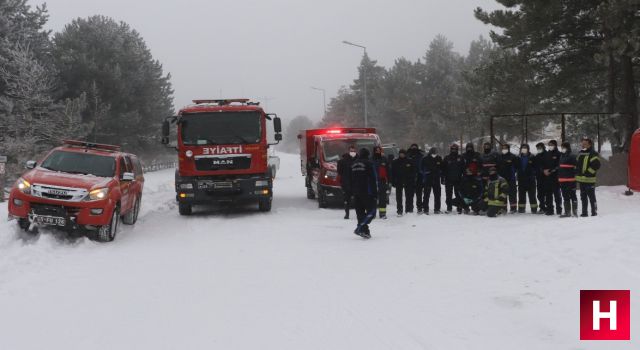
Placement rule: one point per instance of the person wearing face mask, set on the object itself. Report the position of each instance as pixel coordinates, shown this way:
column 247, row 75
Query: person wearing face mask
column 364, row 184
column 588, row 164
column 496, row 193
column 538, row 160
column 344, row 171
column 489, row 159
column 431, row 169
column 403, row 178
column 526, row 171
column 381, row 164
column 453, row 167
column 567, row 180
column 471, row 192
column 551, row 188
column 472, row 159
column 415, row 155
column 507, row 170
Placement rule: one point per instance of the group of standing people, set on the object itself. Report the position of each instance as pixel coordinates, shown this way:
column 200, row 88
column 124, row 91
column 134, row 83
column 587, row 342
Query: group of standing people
column 489, row 183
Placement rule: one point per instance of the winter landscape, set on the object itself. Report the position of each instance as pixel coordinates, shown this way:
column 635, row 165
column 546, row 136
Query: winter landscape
column 298, row 278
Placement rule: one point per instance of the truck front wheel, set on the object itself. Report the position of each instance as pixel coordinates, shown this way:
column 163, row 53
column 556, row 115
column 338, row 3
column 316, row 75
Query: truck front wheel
column 184, row 209
column 310, row 193
column 264, row 204
column 322, row 199
column 107, row 233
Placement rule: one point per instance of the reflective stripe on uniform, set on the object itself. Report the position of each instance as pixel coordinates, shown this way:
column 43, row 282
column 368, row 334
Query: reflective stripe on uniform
column 586, row 179
column 567, row 179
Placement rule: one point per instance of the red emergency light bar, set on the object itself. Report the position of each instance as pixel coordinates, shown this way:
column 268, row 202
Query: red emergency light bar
column 347, row 131
column 86, row 144
column 223, row 102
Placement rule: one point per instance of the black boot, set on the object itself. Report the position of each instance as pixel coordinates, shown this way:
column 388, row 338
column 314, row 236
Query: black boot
column 574, row 209
column 567, row 210
column 594, row 209
column 346, row 214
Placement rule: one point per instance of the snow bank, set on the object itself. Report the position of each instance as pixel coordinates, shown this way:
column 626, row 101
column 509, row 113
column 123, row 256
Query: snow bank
column 297, row 278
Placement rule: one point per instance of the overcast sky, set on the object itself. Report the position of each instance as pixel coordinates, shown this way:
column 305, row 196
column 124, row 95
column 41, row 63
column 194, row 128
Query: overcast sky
column 278, row 49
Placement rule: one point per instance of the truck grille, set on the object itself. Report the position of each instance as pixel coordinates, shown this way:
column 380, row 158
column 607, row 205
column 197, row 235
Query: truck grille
column 208, row 163
column 59, row 193
column 54, row 210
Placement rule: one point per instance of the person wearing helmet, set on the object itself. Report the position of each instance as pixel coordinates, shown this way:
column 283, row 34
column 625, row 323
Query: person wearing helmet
column 471, row 192
column 364, row 184
column 431, row 170
column 587, row 170
column 496, row 193
column 453, row 167
column 344, row 171
column 526, row 173
column 567, row 180
column 403, row 178
column 507, row 170
column 381, row 164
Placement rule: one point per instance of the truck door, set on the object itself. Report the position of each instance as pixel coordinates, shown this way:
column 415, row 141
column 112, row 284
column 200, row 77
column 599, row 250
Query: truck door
column 125, row 188
column 315, row 167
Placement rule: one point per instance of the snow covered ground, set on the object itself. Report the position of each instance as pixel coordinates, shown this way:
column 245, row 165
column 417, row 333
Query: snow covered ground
column 297, row 278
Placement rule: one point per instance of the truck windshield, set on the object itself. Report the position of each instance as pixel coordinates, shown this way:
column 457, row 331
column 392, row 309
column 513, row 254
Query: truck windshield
column 334, row 149
column 220, row 128
column 80, row 163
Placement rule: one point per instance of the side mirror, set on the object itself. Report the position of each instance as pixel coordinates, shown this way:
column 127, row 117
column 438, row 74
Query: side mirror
column 278, row 137
column 128, row 177
column 277, row 125
column 31, row 164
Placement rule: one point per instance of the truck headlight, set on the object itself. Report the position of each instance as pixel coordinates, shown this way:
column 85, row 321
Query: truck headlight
column 98, row 194
column 188, row 186
column 262, row 183
column 24, row 186
column 331, row 174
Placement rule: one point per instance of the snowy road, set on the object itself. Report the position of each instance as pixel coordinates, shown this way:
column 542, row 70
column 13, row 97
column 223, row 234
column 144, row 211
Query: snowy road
column 297, row 278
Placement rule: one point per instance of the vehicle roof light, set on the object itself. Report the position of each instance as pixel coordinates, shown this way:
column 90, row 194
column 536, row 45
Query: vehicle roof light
column 334, row 131
column 86, row 144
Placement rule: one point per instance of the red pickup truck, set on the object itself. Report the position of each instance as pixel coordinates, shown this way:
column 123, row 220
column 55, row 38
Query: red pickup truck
column 79, row 185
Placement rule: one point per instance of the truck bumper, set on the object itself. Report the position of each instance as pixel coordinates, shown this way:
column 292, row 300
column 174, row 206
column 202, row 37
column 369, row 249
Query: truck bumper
column 203, row 190
column 77, row 214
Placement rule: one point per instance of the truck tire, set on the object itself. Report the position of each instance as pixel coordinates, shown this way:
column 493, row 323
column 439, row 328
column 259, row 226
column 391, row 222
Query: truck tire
column 131, row 217
column 310, row 193
column 264, row 205
column 107, row 233
column 322, row 199
column 184, row 209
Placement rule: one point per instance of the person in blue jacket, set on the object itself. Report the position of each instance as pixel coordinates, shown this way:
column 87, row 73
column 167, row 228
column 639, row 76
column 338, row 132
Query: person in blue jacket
column 364, row 185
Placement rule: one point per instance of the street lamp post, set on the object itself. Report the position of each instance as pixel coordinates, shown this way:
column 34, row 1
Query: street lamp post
column 364, row 78
column 324, row 98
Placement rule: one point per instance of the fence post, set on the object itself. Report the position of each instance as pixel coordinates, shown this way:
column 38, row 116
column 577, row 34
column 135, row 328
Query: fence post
column 493, row 136
column 563, row 132
column 598, row 130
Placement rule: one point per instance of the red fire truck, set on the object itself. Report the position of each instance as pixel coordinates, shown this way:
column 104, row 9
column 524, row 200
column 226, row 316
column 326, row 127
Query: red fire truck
column 223, row 153
column 320, row 150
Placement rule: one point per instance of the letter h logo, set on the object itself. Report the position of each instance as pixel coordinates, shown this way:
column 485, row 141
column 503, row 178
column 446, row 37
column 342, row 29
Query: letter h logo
column 605, row 315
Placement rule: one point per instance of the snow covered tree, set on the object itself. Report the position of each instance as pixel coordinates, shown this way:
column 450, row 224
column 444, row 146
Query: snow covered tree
column 127, row 92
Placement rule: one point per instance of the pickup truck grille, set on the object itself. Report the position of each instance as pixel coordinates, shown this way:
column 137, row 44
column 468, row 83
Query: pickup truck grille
column 205, row 163
column 59, row 193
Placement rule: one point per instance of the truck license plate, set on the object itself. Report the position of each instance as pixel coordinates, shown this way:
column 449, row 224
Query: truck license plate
column 50, row 220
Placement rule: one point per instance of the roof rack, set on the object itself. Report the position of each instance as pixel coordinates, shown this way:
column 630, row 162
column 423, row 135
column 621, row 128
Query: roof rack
column 228, row 101
column 86, row 144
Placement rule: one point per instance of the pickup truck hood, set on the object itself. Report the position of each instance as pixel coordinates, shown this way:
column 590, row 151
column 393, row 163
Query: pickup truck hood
column 48, row 177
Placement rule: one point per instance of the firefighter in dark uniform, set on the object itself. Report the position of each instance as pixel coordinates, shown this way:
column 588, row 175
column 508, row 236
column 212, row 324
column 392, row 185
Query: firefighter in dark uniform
column 526, row 170
column 496, row 193
column 453, row 167
column 550, row 163
column 489, row 160
column 431, row 170
column 344, row 171
column 415, row 155
column 364, row 184
column 588, row 164
column 567, row 180
column 403, row 178
column 381, row 164
column 471, row 192
column 507, row 170
column 472, row 159
column 541, row 153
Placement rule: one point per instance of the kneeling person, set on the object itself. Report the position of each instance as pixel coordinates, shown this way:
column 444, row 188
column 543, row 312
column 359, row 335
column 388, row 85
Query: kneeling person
column 496, row 194
column 470, row 196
